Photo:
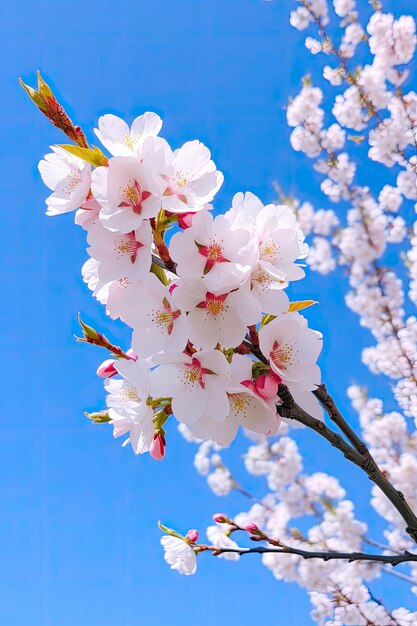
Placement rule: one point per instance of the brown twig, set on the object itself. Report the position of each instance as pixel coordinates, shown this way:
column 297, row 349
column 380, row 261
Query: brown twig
column 357, row 453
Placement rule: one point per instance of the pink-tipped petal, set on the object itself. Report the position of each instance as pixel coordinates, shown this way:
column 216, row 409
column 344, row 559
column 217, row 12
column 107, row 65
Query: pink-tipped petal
column 107, row 369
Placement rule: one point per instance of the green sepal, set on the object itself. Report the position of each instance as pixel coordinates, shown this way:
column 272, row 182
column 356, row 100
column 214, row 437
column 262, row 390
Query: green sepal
column 160, row 273
column 266, row 319
column 171, row 531
column 300, row 305
column 88, row 331
column 99, row 417
column 91, row 155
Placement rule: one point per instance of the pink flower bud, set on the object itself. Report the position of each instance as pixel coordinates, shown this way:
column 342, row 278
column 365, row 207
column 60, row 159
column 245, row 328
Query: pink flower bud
column 132, row 354
column 275, row 376
column 157, row 447
column 192, row 535
column 250, row 385
column 266, row 386
column 107, row 369
column 251, row 527
column 220, row 518
column 185, row 220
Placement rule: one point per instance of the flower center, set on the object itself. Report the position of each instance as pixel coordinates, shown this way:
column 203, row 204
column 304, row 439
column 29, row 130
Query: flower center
column 130, row 140
column 129, row 395
column 128, row 245
column 195, row 373
column 215, row 305
column 282, row 355
column 165, row 318
column 181, row 181
column 71, row 181
column 239, row 401
column 133, row 196
column 269, row 250
column 213, row 253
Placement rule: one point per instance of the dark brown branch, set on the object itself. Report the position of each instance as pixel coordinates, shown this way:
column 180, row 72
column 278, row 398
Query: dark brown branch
column 357, row 453
column 333, row 412
column 393, row 560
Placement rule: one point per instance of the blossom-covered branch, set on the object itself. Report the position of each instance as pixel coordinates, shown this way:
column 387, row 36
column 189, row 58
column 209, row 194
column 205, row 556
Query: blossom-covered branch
column 216, row 342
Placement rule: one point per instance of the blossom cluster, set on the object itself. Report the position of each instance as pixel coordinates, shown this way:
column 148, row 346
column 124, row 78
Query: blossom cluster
column 192, row 300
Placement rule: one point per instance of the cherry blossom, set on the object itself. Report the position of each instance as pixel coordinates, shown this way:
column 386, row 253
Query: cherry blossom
column 126, row 192
column 159, row 325
column 247, row 408
column 216, row 318
column 216, row 250
column 293, row 349
column 129, row 411
column 196, row 383
column 121, row 255
column 120, row 140
column 191, row 179
column 179, row 555
column 69, row 178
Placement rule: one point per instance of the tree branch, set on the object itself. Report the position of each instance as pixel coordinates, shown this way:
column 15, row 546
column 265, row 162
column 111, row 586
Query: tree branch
column 357, row 453
column 393, row 560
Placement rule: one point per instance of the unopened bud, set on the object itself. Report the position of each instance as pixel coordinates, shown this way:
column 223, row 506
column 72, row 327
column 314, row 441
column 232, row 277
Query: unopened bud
column 107, row 369
column 251, row 527
column 192, row 535
column 157, row 447
column 132, row 354
column 250, row 385
column 266, row 386
column 220, row 518
column 185, row 220
column 90, row 334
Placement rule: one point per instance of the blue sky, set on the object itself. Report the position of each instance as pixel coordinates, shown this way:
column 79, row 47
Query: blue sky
column 79, row 543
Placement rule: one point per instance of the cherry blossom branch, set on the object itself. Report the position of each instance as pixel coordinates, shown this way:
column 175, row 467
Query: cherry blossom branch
column 358, row 453
column 54, row 111
column 393, row 560
column 92, row 336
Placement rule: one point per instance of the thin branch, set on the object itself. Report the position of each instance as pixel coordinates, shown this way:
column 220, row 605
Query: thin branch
column 362, row 459
column 333, row 412
column 400, row 575
column 393, row 560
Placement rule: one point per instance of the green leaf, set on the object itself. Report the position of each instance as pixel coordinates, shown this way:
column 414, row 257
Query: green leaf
column 300, row 305
column 266, row 319
column 34, row 96
column 160, row 273
column 92, row 155
column 171, row 531
column 43, row 88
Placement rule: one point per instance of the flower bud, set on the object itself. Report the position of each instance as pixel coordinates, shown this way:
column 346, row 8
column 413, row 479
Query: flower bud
column 251, row 527
column 157, row 447
column 266, row 386
column 192, row 535
column 107, row 369
column 185, row 220
column 220, row 518
column 250, row 385
column 132, row 354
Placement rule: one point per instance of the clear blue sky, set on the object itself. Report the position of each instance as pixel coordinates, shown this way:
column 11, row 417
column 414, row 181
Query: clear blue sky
column 78, row 537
